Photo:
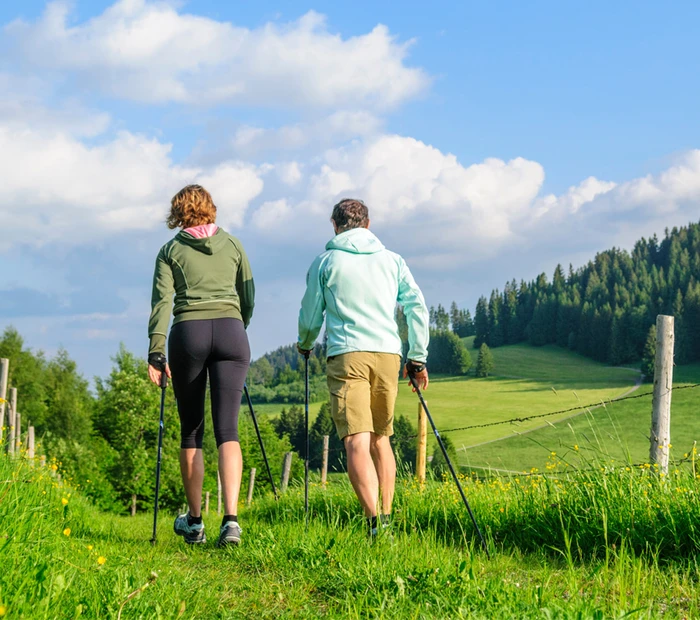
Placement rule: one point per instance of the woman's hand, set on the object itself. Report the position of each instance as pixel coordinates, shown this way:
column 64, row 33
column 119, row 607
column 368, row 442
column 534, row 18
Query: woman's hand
column 155, row 375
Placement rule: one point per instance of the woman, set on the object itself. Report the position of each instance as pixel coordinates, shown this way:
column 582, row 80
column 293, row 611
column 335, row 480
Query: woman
column 208, row 272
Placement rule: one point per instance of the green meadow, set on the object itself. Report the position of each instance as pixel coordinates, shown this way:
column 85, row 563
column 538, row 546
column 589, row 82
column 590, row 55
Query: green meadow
column 527, row 381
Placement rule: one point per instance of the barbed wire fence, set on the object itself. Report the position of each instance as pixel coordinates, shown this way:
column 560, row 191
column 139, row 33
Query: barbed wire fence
column 577, row 410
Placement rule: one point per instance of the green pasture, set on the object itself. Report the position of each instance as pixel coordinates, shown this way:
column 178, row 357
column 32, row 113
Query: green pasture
column 527, row 380
column 618, row 431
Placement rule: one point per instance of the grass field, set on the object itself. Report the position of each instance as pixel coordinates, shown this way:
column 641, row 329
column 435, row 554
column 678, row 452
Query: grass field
column 273, row 409
column 560, row 549
column 618, row 431
column 527, row 380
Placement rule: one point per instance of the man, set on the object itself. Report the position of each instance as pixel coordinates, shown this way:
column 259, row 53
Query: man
column 357, row 284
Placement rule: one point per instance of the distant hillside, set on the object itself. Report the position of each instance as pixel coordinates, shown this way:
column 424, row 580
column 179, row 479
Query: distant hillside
column 605, row 309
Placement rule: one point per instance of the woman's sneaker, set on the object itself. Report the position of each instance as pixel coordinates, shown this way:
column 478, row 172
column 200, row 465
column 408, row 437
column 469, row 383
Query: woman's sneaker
column 193, row 534
column 229, row 534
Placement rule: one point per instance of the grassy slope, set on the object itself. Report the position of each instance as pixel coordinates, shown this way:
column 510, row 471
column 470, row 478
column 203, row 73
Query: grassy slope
column 331, row 570
column 527, row 381
column 620, row 430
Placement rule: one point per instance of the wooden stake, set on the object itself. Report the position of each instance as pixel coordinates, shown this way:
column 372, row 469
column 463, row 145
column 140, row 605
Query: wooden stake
column 30, row 444
column 18, row 434
column 663, row 388
column 206, row 503
column 133, row 505
column 286, row 468
column 422, row 446
column 13, row 420
column 42, row 460
column 4, row 370
column 218, row 493
column 324, row 464
column 251, row 484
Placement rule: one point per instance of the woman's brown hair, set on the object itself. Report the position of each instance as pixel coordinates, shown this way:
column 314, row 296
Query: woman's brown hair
column 191, row 206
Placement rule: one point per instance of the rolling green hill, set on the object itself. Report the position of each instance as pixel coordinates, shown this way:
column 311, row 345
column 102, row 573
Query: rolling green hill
column 527, row 380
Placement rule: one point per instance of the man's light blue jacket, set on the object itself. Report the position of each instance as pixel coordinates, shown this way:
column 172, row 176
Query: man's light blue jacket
column 357, row 283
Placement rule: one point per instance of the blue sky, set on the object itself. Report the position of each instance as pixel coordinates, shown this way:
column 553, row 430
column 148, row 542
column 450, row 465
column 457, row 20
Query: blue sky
column 491, row 141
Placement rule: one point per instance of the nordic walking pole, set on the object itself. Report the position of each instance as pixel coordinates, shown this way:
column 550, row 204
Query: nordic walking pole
column 306, row 420
column 262, row 445
column 449, row 462
column 163, row 386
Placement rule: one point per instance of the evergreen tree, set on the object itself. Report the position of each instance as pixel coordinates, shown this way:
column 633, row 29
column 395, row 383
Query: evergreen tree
column 404, row 444
column 447, row 354
column 438, row 465
column 481, row 323
column 485, row 363
column 649, row 355
column 323, row 425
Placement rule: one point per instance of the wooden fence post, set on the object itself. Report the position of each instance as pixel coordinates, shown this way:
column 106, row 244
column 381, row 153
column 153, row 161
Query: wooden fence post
column 218, row 493
column 30, row 444
column 42, row 460
column 13, row 420
column 18, row 434
column 4, row 370
column 251, row 484
column 422, row 444
column 133, row 505
column 206, row 503
column 324, row 464
column 663, row 388
column 286, row 468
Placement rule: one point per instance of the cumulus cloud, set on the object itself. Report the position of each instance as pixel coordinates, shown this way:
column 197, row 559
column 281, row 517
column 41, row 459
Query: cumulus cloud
column 447, row 213
column 149, row 51
column 327, row 131
column 58, row 188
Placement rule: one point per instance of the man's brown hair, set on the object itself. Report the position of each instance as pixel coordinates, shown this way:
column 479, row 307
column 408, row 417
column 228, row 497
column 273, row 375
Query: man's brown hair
column 350, row 213
column 191, row 206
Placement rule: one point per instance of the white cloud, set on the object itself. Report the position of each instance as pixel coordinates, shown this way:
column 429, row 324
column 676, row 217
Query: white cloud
column 272, row 214
column 57, row 188
column 430, row 205
column 148, row 51
column 327, row 131
column 290, row 173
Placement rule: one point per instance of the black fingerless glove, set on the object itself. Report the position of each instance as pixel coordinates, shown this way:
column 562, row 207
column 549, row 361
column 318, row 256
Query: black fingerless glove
column 414, row 367
column 157, row 360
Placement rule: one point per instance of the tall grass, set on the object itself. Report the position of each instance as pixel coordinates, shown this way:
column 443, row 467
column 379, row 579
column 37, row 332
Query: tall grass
column 595, row 544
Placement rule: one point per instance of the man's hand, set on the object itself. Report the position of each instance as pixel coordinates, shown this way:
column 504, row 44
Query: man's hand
column 156, row 366
column 420, row 377
column 304, row 352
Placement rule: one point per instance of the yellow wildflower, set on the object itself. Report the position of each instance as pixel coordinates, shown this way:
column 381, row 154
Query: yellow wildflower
column 64, row 501
column 66, row 532
column 101, row 560
column 89, row 547
column 3, row 610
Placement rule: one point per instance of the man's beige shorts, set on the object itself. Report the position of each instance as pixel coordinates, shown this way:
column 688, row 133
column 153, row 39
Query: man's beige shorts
column 363, row 390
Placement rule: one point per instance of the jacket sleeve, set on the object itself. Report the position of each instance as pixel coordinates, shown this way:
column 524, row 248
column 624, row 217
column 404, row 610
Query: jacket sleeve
column 411, row 299
column 161, row 304
column 313, row 305
column 245, row 286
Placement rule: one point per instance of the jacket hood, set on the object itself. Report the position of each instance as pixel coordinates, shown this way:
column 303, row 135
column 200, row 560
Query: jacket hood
column 356, row 241
column 206, row 245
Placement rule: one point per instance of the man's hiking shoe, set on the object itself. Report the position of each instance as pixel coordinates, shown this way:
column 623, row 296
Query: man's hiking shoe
column 229, row 534
column 193, row 534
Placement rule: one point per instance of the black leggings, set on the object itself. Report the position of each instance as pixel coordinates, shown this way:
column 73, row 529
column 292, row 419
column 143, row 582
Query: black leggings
column 219, row 347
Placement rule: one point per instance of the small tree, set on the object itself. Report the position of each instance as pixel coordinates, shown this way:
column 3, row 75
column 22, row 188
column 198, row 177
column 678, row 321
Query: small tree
column 439, row 465
column 485, row 363
column 648, row 355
